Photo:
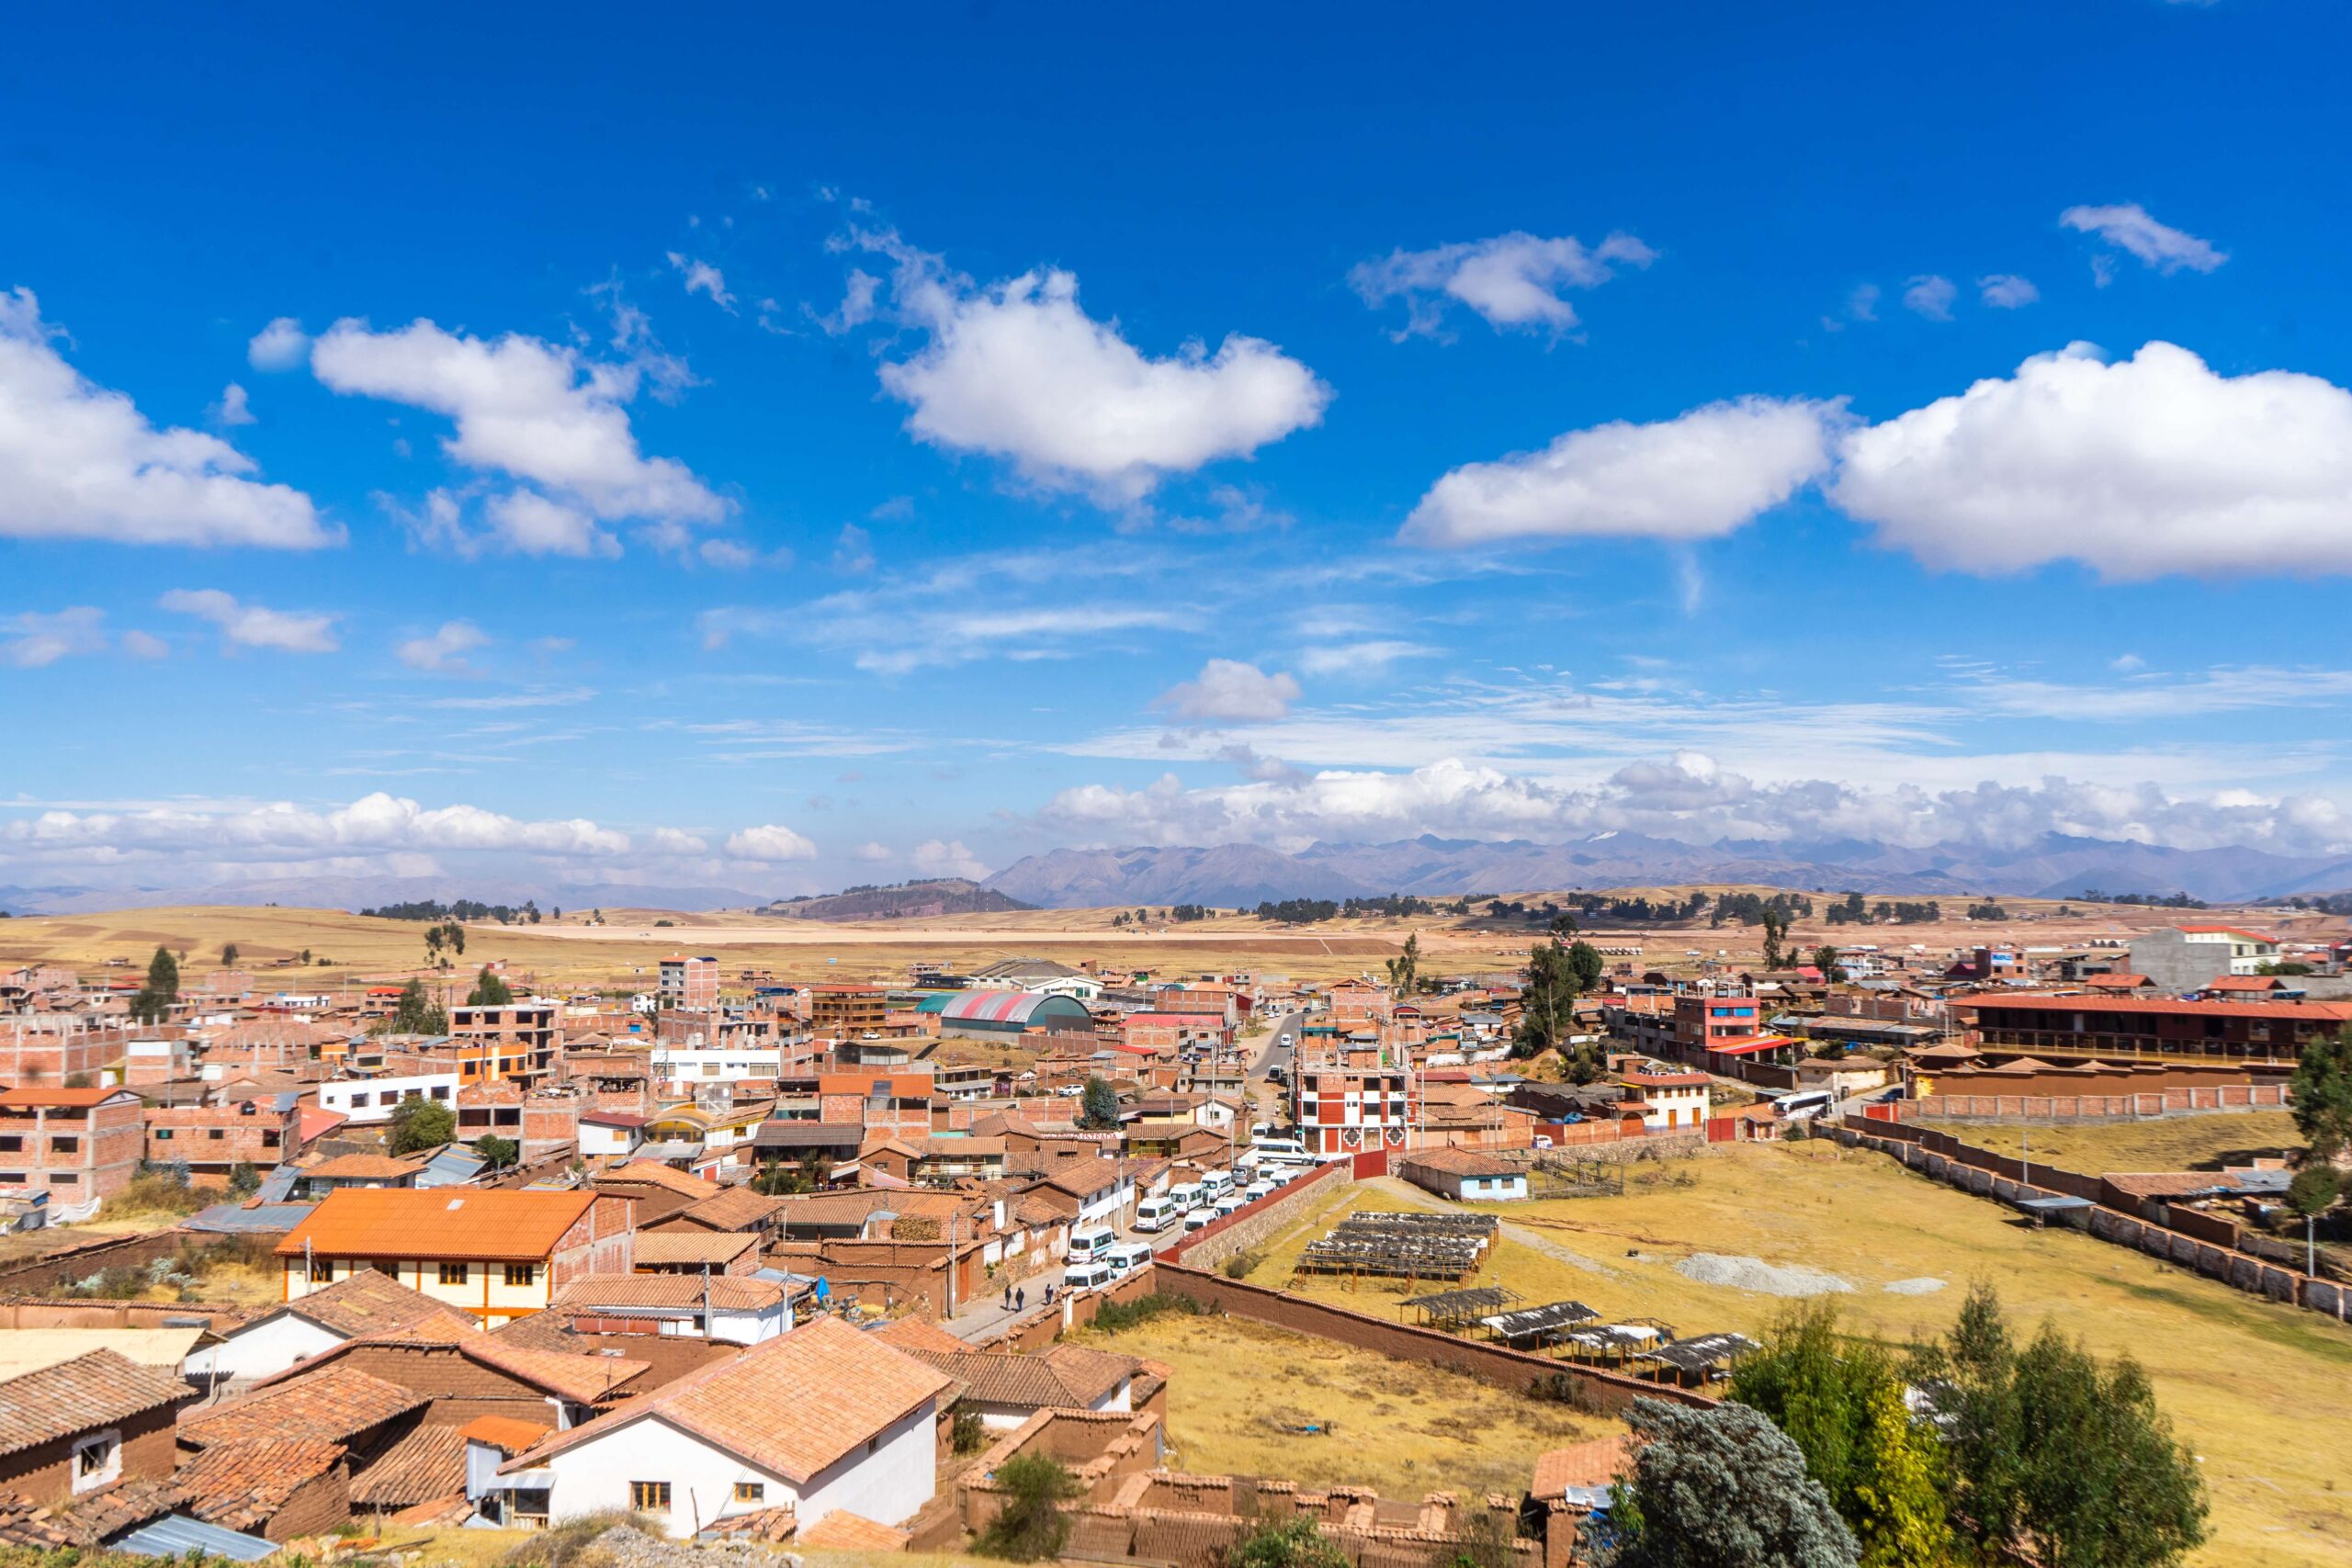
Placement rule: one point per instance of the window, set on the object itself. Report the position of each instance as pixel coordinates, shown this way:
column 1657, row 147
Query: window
column 648, row 1496
column 10, row 1143
column 751, row 1492
column 62, row 1178
column 217, row 1133
column 163, row 1134
column 523, row 1274
column 98, row 1460
column 64, row 1146
column 453, row 1273
column 321, row 1270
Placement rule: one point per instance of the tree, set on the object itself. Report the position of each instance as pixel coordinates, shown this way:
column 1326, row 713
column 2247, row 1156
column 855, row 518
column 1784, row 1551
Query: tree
column 1842, row 1405
column 2315, row 1190
column 1725, row 1488
column 489, row 991
column 228, row 954
column 153, row 1002
column 1586, row 963
column 420, row 1123
column 454, row 934
column 415, row 1013
column 1404, row 970
column 1776, row 925
column 2322, row 1091
column 1031, row 1524
column 1547, row 1012
column 1825, row 958
column 1098, row 1104
column 433, row 944
column 1296, row 1543
column 2058, row 1460
column 500, row 1151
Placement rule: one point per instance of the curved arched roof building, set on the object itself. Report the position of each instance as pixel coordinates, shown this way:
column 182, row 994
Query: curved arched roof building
column 992, row 1015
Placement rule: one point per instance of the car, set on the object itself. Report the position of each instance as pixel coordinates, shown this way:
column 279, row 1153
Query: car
column 1543, row 1142
column 1199, row 1218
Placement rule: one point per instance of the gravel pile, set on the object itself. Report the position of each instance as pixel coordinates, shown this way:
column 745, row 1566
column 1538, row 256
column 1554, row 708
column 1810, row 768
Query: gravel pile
column 1755, row 1274
column 1926, row 1285
column 623, row 1547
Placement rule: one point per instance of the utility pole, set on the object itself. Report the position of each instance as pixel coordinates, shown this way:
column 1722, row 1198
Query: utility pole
column 2311, row 1247
column 2025, row 1154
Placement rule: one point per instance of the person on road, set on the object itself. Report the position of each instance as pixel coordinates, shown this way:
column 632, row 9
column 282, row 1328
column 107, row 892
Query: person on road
column 1021, row 1300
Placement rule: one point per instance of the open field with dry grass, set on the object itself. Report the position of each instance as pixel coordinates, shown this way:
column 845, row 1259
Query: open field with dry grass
column 1404, row 1429
column 2259, row 1390
column 2177, row 1143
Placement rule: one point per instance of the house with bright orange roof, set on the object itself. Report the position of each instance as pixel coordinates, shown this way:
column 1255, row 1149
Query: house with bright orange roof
column 496, row 1256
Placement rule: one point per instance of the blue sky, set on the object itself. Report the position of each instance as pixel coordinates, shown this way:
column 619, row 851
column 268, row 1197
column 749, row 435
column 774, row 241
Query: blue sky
column 792, row 450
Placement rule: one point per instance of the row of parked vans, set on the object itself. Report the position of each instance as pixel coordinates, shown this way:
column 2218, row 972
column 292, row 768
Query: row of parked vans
column 1096, row 1257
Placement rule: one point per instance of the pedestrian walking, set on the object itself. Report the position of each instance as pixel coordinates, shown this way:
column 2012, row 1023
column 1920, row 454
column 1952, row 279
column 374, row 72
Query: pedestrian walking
column 1021, row 1299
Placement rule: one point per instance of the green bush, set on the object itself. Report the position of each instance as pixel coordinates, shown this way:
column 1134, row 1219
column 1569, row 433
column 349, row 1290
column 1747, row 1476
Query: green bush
column 1116, row 1316
column 1032, row 1525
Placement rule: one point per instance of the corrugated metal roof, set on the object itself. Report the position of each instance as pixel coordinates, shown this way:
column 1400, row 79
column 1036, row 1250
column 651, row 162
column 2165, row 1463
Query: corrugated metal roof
column 174, row 1534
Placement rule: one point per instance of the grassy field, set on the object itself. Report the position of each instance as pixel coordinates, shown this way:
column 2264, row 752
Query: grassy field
column 2180, row 1142
column 2258, row 1389
column 1404, row 1430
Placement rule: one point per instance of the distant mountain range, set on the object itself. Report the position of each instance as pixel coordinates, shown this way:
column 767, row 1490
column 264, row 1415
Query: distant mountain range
column 904, row 900
column 2054, row 866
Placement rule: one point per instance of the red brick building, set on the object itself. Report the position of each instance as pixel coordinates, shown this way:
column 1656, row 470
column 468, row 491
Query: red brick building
column 211, row 1140
column 2131, row 1029
column 73, row 1143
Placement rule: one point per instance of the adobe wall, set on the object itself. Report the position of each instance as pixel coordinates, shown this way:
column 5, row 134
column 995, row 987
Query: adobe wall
column 78, row 1260
column 34, row 1312
column 2050, row 1105
column 1514, row 1369
column 1989, row 1175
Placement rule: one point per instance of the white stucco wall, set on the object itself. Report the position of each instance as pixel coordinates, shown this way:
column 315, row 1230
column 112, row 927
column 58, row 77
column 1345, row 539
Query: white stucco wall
column 261, row 1351
column 888, row 1484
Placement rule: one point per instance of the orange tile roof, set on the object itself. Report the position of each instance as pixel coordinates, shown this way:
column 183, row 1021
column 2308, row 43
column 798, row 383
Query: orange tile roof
column 56, row 1098
column 2043, row 1001
column 366, row 1168
column 731, row 1209
column 920, row 1333
column 791, row 1406
column 371, row 1302
column 842, row 1530
column 336, row 1402
column 241, row 1486
column 726, row 1292
column 452, row 1222
column 654, row 1173
column 662, row 1248
column 428, row 1463
column 504, row 1432
column 1596, row 1463
column 95, row 1390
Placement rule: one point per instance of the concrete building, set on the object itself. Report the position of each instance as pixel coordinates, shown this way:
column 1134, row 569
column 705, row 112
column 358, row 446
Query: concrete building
column 370, row 1101
column 684, row 982
column 2187, row 958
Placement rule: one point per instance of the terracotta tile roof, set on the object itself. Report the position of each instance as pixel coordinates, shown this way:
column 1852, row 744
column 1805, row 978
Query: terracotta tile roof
column 241, row 1486
column 919, row 1334
column 733, row 1209
column 718, row 1249
column 332, row 1402
column 468, row 1223
column 2317, row 1012
column 791, row 1406
column 583, row 1379
column 1595, row 1464
column 95, row 1390
column 1461, row 1162
column 842, row 1530
column 1083, row 1177
column 653, row 1173
column 728, row 1292
column 314, row 1123
column 429, row 1463
column 1067, row 1377
column 504, row 1432
column 371, row 1302
column 87, row 1520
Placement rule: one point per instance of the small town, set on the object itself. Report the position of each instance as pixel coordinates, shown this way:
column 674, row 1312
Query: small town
column 1228, row 786
column 1031, row 1257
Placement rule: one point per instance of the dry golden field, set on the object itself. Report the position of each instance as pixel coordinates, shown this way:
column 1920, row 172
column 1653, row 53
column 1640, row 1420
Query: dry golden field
column 2177, row 1143
column 2260, row 1391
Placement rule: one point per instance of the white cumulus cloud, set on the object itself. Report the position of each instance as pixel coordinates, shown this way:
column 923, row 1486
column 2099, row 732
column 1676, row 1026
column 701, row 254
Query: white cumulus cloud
column 281, row 345
column 525, row 522
column 936, row 857
column 2130, row 228
column 34, row 638
column 771, row 841
column 1229, row 691
column 442, row 652
column 2006, row 291
column 1693, row 477
column 530, row 410
column 2139, row 467
column 1018, row 370
column 1930, row 296
column 1512, row 280
column 79, row 461
column 254, row 625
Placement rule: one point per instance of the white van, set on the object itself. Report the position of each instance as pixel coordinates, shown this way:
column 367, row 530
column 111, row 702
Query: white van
column 1804, row 1107
column 1215, row 1183
column 1290, row 1149
column 1226, row 1204
column 1157, row 1213
column 1087, row 1276
column 1128, row 1258
column 1091, row 1242
column 1256, row 1190
column 1185, row 1195
column 1199, row 1219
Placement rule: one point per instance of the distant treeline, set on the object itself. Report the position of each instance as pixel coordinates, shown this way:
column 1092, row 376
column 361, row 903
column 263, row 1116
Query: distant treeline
column 1851, row 910
column 2157, row 900
column 462, row 909
column 1306, row 911
column 2326, row 903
